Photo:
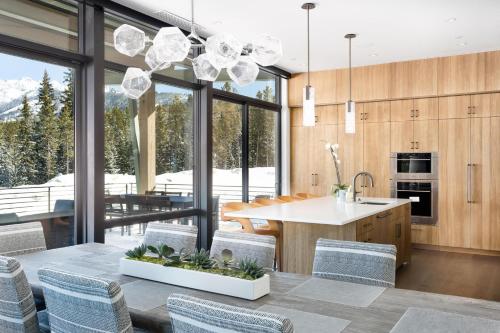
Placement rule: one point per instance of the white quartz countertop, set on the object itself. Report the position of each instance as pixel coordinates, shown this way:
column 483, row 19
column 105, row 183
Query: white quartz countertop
column 324, row 210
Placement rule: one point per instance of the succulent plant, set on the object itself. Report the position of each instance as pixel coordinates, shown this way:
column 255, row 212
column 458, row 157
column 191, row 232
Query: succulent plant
column 137, row 252
column 178, row 258
column 225, row 260
column 251, row 268
column 201, row 259
column 162, row 250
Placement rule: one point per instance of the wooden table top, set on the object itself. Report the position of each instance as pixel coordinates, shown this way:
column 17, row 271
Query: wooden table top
column 146, row 299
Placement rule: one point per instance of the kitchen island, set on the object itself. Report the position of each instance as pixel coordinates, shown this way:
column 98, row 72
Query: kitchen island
column 374, row 220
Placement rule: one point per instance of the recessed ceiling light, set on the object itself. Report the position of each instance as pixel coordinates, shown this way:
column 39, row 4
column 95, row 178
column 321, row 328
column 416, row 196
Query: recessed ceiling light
column 451, row 20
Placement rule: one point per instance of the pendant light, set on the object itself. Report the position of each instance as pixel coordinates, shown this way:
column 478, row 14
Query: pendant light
column 308, row 112
column 350, row 106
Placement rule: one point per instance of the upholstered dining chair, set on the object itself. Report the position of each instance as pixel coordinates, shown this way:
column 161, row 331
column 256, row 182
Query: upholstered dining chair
column 190, row 314
column 78, row 303
column 176, row 236
column 244, row 245
column 289, row 198
column 22, row 238
column 364, row 263
column 306, row 195
column 272, row 228
column 17, row 306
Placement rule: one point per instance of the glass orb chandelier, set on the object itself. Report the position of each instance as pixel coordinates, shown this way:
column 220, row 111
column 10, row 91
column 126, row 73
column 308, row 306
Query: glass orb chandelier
column 170, row 45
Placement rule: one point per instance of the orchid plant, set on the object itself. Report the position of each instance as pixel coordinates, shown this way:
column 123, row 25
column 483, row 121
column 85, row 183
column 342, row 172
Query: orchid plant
column 333, row 149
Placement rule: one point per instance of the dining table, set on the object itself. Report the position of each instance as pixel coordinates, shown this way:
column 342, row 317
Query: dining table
column 313, row 305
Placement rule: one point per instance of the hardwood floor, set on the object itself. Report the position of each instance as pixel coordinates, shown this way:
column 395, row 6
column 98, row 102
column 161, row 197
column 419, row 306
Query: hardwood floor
column 469, row 275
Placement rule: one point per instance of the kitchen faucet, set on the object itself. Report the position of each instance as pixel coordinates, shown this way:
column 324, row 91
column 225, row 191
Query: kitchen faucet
column 362, row 173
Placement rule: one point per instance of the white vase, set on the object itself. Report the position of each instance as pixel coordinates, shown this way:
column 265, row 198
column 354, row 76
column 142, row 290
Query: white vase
column 341, row 195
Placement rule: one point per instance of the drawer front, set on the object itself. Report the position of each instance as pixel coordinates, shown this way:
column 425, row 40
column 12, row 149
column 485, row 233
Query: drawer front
column 365, row 225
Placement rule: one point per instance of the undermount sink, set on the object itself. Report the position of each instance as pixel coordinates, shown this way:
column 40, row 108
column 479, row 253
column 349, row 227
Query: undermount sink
column 373, row 203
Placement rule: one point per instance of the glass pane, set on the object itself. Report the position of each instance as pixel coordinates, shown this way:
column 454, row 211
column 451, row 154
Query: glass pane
column 53, row 23
column 227, row 153
column 128, row 237
column 148, row 150
column 37, row 147
column 264, row 88
column 182, row 71
column 262, row 152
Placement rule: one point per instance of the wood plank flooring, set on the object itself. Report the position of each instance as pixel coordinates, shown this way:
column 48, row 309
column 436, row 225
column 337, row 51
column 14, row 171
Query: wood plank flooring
column 469, row 275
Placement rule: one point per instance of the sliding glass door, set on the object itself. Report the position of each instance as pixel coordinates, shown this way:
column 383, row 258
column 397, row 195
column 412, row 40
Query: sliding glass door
column 37, row 147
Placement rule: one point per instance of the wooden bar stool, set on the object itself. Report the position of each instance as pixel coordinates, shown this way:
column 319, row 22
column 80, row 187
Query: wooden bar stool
column 307, row 195
column 289, row 198
column 272, row 228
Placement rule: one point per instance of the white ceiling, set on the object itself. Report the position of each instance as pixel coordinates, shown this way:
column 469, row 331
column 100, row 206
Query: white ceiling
column 389, row 30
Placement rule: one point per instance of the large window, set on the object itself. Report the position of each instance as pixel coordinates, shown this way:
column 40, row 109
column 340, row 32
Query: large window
column 49, row 22
column 37, row 147
column 148, row 155
column 264, row 87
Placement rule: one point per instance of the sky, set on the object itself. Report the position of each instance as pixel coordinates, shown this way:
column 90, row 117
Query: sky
column 15, row 68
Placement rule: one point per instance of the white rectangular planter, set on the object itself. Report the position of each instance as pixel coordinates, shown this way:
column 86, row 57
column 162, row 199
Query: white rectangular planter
column 214, row 283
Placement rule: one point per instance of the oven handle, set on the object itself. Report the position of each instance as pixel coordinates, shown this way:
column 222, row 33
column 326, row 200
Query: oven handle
column 418, row 191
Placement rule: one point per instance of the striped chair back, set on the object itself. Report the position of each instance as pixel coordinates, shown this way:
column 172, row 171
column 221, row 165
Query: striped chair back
column 22, row 238
column 78, row 303
column 244, row 245
column 365, row 263
column 174, row 235
column 17, row 305
column 189, row 314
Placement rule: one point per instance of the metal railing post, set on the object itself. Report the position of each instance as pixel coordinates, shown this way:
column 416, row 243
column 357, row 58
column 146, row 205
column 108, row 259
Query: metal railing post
column 49, row 197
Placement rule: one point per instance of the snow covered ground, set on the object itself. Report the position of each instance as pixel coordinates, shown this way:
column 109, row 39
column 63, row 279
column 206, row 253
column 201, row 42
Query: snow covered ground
column 33, row 199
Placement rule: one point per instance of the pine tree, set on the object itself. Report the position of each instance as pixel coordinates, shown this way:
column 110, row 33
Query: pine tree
column 27, row 167
column 65, row 154
column 11, row 152
column 47, row 138
column 118, row 145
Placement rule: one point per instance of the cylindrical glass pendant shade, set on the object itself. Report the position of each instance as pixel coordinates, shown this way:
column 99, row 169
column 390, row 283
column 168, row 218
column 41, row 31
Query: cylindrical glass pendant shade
column 308, row 109
column 350, row 117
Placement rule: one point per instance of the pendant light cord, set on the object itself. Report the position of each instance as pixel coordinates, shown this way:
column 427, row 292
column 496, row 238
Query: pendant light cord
column 350, row 75
column 308, row 52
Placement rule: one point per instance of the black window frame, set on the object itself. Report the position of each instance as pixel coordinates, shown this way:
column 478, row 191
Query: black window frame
column 89, row 64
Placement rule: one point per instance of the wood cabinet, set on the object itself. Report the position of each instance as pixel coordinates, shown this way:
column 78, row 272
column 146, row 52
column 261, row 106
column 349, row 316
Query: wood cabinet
column 461, row 74
column 325, row 115
column 376, row 112
column 414, row 125
column 389, row 227
column 494, row 185
column 376, row 152
column 312, row 168
column 324, row 83
column 465, row 106
column 414, row 109
column 454, row 211
column 414, row 78
column 350, row 152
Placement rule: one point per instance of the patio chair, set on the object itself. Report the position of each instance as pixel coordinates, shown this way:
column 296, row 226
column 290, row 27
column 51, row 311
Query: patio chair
column 22, row 238
column 189, row 314
column 364, row 263
column 17, row 306
column 174, row 235
column 78, row 303
column 244, row 245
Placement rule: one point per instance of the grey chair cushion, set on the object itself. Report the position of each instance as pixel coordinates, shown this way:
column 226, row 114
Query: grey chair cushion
column 244, row 245
column 22, row 238
column 17, row 305
column 174, row 235
column 78, row 303
column 365, row 263
column 193, row 315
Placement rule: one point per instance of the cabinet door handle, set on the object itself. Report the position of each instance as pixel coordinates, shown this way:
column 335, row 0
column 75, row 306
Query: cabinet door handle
column 316, row 119
column 469, row 108
column 383, row 216
column 473, row 109
column 469, row 181
column 362, row 116
column 398, row 230
column 366, row 116
column 412, row 114
column 416, row 145
column 312, row 179
column 416, row 113
column 413, row 145
column 367, row 225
